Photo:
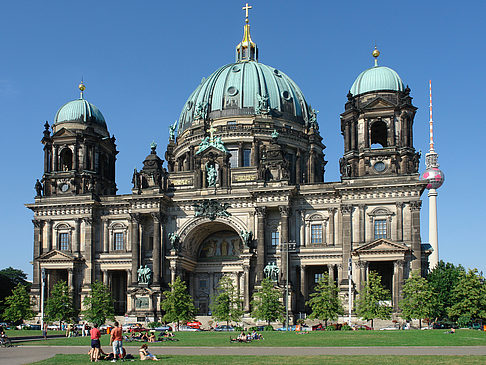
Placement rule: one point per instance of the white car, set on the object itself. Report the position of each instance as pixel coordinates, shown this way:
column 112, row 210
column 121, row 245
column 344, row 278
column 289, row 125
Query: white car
column 389, row 328
column 188, row 328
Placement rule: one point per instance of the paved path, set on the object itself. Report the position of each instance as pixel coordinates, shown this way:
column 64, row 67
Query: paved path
column 28, row 354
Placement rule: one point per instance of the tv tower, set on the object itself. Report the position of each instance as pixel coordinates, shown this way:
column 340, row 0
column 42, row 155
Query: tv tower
column 435, row 178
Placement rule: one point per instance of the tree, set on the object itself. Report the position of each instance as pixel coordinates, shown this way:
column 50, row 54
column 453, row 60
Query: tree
column 419, row 299
column 370, row 303
column 325, row 302
column 99, row 304
column 15, row 275
column 443, row 279
column 18, row 305
column 178, row 305
column 226, row 306
column 469, row 297
column 59, row 306
column 9, row 279
column 266, row 303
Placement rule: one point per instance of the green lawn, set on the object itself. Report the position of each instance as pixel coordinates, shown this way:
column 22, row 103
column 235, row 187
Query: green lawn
column 25, row 333
column 245, row 360
column 318, row 338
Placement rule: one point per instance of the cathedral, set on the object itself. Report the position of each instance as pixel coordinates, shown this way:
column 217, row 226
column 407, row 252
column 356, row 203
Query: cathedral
column 241, row 193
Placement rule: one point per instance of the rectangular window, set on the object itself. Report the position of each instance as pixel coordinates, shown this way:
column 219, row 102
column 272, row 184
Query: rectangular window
column 380, row 228
column 246, row 157
column 275, row 238
column 203, row 284
column 234, row 157
column 64, row 241
column 316, row 234
column 318, row 277
column 118, row 241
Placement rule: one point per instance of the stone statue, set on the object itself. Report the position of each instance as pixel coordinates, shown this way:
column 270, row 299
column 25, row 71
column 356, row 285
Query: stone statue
column 262, row 106
column 136, row 179
column 218, row 143
column 212, row 175
column 144, row 274
column 174, row 239
column 172, row 130
column 271, row 271
column 247, row 237
column 275, row 134
column 313, row 118
column 38, row 188
column 200, row 112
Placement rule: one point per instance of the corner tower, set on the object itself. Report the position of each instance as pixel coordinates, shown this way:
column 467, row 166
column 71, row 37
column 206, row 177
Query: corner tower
column 79, row 155
column 377, row 126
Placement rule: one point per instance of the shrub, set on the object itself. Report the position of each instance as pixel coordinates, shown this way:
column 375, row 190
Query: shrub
column 464, row 321
column 268, row 328
column 154, row 324
column 330, row 328
column 301, row 321
column 238, row 328
column 345, row 327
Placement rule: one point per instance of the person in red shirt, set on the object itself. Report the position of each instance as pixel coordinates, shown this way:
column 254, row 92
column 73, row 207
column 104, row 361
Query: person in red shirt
column 95, row 343
column 116, row 340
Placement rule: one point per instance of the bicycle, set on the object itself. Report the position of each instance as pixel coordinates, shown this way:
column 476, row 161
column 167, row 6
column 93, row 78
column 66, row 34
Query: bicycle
column 5, row 341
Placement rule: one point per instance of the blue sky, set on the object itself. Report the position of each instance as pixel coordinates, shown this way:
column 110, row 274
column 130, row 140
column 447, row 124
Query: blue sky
column 141, row 59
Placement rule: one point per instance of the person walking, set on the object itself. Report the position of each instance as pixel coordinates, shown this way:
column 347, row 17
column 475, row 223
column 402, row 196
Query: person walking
column 44, row 330
column 95, row 343
column 116, row 339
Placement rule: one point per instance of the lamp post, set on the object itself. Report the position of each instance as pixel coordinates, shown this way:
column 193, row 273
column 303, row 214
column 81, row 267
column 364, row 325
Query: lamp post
column 43, row 282
column 288, row 246
column 350, row 301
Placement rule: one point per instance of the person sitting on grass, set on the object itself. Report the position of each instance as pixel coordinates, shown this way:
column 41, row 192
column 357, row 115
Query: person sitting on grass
column 151, row 338
column 241, row 337
column 144, row 337
column 145, row 354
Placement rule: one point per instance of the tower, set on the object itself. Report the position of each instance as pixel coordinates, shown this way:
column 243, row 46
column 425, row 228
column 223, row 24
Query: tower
column 377, row 126
column 79, row 155
column 435, row 178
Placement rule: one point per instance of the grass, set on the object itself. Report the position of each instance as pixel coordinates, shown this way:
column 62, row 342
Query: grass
column 26, row 333
column 245, row 360
column 312, row 339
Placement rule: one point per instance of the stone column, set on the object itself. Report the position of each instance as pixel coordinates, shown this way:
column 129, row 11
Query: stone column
column 312, row 168
column 302, row 228
column 105, row 277
column 415, row 235
column 70, row 278
column 88, row 250
column 399, row 206
column 37, row 252
column 106, row 237
column 284, row 239
column 353, row 135
column 303, row 283
column 362, row 233
column 340, row 273
column 346, row 137
column 366, row 134
column 49, row 234
column 347, row 227
column 156, row 248
column 298, row 172
column 135, row 220
column 363, row 266
column 261, row 212
column 238, row 286
column 330, row 269
column 173, row 271
column 332, row 240
column 211, row 284
column 240, row 154
column 77, row 234
column 246, row 287
column 54, row 160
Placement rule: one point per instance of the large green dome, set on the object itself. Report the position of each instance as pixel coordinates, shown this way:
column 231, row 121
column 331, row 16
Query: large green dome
column 79, row 111
column 237, row 89
column 375, row 79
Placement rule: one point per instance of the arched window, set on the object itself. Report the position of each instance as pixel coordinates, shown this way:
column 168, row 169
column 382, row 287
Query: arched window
column 66, row 159
column 379, row 134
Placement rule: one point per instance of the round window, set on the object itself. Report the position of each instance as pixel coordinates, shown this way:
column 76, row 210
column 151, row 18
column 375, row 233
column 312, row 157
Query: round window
column 232, row 91
column 286, row 95
column 235, row 68
column 379, row 166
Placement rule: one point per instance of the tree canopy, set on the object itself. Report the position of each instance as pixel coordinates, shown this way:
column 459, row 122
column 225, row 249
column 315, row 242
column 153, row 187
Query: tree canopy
column 99, row 304
column 17, row 305
column 226, row 305
column 371, row 301
column 9, row 279
column 419, row 299
column 59, row 306
column 177, row 303
column 469, row 297
column 266, row 303
column 325, row 302
column 443, row 279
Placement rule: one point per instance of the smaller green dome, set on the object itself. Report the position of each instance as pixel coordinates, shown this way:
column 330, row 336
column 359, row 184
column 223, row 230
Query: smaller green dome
column 79, row 111
column 377, row 78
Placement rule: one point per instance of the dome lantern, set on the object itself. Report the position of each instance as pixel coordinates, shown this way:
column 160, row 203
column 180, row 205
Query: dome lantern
column 246, row 50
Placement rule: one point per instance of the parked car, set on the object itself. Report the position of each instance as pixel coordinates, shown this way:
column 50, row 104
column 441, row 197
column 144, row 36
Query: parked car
column 188, row 328
column 224, row 328
column 318, row 327
column 163, row 328
column 290, row 328
column 194, row 324
column 361, row 327
column 53, row 327
column 390, row 328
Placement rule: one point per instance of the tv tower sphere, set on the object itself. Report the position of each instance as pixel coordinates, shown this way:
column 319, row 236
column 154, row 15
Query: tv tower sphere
column 434, row 176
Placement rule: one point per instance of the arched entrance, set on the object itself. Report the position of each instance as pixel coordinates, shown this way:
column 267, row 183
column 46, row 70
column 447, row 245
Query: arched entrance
column 216, row 249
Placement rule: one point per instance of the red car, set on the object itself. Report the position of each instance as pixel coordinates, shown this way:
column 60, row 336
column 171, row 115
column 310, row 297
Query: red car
column 195, row 324
column 360, row 327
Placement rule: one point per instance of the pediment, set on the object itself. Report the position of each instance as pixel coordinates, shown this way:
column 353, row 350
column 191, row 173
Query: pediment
column 63, row 132
column 379, row 103
column 57, row 256
column 382, row 246
column 211, row 150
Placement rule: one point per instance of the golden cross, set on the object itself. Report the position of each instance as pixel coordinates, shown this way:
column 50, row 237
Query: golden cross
column 211, row 132
column 246, row 8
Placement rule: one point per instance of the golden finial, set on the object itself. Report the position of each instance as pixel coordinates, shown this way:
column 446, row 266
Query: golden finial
column 246, row 8
column 375, row 54
column 82, row 88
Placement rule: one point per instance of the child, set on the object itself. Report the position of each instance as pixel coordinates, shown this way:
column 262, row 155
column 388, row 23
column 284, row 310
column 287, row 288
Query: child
column 145, row 355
